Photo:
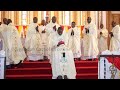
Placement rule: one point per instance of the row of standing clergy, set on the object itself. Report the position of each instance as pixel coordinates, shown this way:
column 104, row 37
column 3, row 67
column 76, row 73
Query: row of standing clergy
column 93, row 43
column 38, row 40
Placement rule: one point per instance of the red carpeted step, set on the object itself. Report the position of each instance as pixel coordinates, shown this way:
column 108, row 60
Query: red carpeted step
column 86, row 63
column 86, row 70
column 42, row 70
column 45, row 76
column 41, row 76
column 27, row 71
column 35, row 64
column 87, row 76
column 47, row 64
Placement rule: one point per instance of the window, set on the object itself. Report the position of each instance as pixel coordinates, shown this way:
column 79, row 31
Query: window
column 84, row 17
column 44, row 15
column 24, row 17
column 81, row 14
column 67, row 17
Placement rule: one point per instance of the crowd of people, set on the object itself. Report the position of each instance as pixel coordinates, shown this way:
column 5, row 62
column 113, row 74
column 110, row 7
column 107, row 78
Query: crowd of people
column 49, row 41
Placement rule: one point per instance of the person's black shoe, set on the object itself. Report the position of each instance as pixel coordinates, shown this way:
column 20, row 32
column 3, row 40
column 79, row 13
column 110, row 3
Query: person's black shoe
column 89, row 59
column 8, row 66
column 94, row 59
column 16, row 65
column 59, row 77
column 79, row 59
column 31, row 61
column 12, row 65
column 41, row 60
column 45, row 58
column 75, row 59
column 65, row 77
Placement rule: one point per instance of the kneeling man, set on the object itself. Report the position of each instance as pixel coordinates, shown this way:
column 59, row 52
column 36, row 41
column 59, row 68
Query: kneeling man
column 62, row 59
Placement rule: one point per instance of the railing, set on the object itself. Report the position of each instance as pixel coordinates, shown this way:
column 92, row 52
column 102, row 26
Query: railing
column 112, row 68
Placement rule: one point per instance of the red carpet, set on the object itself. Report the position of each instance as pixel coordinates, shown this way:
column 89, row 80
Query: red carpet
column 42, row 70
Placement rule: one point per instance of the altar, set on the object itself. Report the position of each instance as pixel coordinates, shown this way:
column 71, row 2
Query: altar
column 109, row 65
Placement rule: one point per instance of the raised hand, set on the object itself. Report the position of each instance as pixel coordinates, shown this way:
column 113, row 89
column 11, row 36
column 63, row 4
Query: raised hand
column 87, row 31
column 72, row 33
column 54, row 27
column 111, row 34
column 37, row 29
column 43, row 31
column 101, row 33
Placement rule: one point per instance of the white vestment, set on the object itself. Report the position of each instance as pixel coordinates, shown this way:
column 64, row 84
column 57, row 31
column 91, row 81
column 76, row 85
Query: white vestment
column 44, row 40
column 115, row 40
column 1, row 42
column 74, row 42
column 62, row 65
column 102, row 40
column 13, row 46
column 49, row 28
column 90, row 42
column 33, row 43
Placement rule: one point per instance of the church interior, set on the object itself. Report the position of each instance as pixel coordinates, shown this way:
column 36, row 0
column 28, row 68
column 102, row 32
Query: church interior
column 42, row 70
column 21, row 19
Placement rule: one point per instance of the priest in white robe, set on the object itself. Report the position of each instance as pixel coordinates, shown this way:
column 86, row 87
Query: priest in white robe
column 62, row 59
column 52, row 27
column 90, row 41
column 16, row 50
column 102, row 39
column 47, row 20
column 44, row 40
column 33, row 42
column 12, row 44
column 115, row 37
column 4, row 38
column 74, row 41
